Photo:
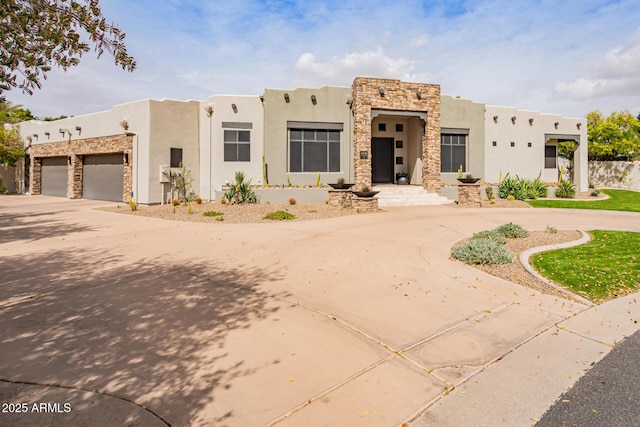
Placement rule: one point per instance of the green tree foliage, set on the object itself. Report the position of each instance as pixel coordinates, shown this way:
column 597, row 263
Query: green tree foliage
column 36, row 35
column 10, row 113
column 615, row 137
column 11, row 146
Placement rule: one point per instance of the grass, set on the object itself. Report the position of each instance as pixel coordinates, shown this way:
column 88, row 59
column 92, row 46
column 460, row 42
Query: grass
column 619, row 200
column 604, row 268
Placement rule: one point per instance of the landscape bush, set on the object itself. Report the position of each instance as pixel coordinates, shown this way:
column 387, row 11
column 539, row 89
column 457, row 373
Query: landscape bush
column 212, row 213
column 280, row 216
column 482, row 251
column 522, row 188
column 566, row 190
column 511, row 231
column 491, row 235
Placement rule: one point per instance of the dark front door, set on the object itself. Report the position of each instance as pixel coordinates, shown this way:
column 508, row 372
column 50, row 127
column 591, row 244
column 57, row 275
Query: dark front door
column 382, row 160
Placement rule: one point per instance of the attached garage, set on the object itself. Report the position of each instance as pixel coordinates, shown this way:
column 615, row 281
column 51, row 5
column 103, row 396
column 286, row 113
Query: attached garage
column 103, row 177
column 54, row 176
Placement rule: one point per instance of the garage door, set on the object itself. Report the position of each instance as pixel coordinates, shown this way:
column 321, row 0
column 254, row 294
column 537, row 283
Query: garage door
column 54, row 176
column 102, row 177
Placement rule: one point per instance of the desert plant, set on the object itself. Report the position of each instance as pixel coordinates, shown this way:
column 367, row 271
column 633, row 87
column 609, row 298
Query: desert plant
column 460, row 172
column 223, row 201
column 491, row 235
column 219, row 218
column 510, row 197
column 551, row 229
column 489, row 191
column 288, row 181
column 175, row 202
column 595, row 193
column 591, row 185
column 133, row 205
column 511, row 231
column 318, row 180
column 183, row 182
column 280, row 216
column 212, row 213
column 540, row 188
column 507, row 187
column 292, row 201
column 198, row 200
column 340, row 181
column 365, row 189
column 566, row 190
column 265, row 177
column 482, row 251
column 312, row 211
column 241, row 192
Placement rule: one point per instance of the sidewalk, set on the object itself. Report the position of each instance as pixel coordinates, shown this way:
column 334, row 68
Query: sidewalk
column 518, row 389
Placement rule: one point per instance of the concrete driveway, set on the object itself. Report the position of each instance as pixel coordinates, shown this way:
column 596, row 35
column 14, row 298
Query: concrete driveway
column 359, row 320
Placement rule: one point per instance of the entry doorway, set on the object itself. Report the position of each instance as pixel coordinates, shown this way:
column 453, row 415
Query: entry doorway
column 382, row 160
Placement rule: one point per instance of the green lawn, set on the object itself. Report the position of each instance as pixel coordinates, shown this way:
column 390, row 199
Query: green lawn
column 619, row 200
column 607, row 266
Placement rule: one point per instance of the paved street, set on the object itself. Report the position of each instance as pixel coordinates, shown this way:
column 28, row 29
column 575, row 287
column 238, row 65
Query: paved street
column 358, row 320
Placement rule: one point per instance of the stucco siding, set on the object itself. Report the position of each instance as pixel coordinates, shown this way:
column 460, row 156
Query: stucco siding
column 330, row 107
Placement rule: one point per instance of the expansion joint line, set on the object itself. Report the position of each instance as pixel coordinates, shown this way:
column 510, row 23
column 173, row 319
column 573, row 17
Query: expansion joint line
column 103, row 393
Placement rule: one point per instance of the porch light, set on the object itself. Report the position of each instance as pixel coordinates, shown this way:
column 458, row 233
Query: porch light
column 234, row 107
column 578, row 125
column 530, row 122
column 513, row 120
column 124, row 124
column 79, row 129
column 314, row 101
column 419, row 94
column 495, row 119
column 286, row 98
column 208, row 109
column 381, row 91
column 556, row 124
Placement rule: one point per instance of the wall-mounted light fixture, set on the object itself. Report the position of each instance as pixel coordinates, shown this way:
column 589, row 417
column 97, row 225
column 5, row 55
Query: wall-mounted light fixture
column 314, row 100
column 209, row 110
column 419, row 94
column 530, row 122
column 350, row 101
column 126, row 158
column 261, row 98
column 286, row 98
column 79, row 129
column 124, row 124
column 513, row 120
column 556, row 124
column 234, row 107
column 47, row 134
column 381, row 91
column 495, row 119
column 578, row 125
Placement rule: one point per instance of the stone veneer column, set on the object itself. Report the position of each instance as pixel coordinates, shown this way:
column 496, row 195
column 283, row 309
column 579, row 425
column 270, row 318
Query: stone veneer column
column 74, row 178
column 35, row 174
column 411, row 98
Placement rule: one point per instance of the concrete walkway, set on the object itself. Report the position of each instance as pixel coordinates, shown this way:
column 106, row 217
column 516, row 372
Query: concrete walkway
column 360, row 320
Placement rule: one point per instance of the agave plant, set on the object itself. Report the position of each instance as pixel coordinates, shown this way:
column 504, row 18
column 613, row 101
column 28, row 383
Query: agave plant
column 240, row 191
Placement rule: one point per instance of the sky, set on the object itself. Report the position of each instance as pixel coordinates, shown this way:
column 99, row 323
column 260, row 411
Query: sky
column 561, row 57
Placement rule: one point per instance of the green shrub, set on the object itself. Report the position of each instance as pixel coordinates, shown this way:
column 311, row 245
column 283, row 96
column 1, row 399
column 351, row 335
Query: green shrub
column 240, row 191
column 482, row 251
column 490, row 235
column 489, row 191
column 280, row 216
column 507, row 187
column 3, row 189
column 540, row 188
column 595, row 193
column 566, row 190
column 212, row 213
column 521, row 188
column 511, row 231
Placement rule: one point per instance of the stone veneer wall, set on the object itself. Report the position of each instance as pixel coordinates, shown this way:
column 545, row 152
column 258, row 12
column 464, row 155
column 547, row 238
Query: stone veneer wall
column 76, row 150
column 469, row 195
column 398, row 96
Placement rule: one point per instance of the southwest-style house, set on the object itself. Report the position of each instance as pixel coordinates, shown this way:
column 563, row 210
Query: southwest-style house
column 365, row 134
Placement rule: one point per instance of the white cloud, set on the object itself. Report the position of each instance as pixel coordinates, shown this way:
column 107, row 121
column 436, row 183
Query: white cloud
column 421, row 41
column 617, row 75
column 342, row 70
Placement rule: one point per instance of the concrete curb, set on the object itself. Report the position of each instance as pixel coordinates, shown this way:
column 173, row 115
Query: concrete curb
column 524, row 260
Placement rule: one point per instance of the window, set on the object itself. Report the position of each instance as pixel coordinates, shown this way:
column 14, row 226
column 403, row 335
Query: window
column 399, row 127
column 382, row 127
column 453, row 152
column 550, row 156
column 314, row 150
column 176, row 157
column 237, row 145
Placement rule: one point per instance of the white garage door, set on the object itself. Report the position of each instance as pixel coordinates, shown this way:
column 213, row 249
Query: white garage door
column 103, row 177
column 53, row 180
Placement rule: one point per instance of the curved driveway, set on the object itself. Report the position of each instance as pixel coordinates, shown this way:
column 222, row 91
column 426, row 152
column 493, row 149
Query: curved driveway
column 358, row 320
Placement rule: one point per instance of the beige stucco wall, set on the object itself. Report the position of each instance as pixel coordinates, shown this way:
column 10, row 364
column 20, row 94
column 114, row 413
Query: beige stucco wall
column 214, row 171
column 457, row 113
column 172, row 124
column 8, row 177
column 508, row 124
column 615, row 174
column 331, row 107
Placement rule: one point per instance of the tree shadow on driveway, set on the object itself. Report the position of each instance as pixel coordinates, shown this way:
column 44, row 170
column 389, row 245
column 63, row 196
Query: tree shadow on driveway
column 152, row 331
column 32, row 226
